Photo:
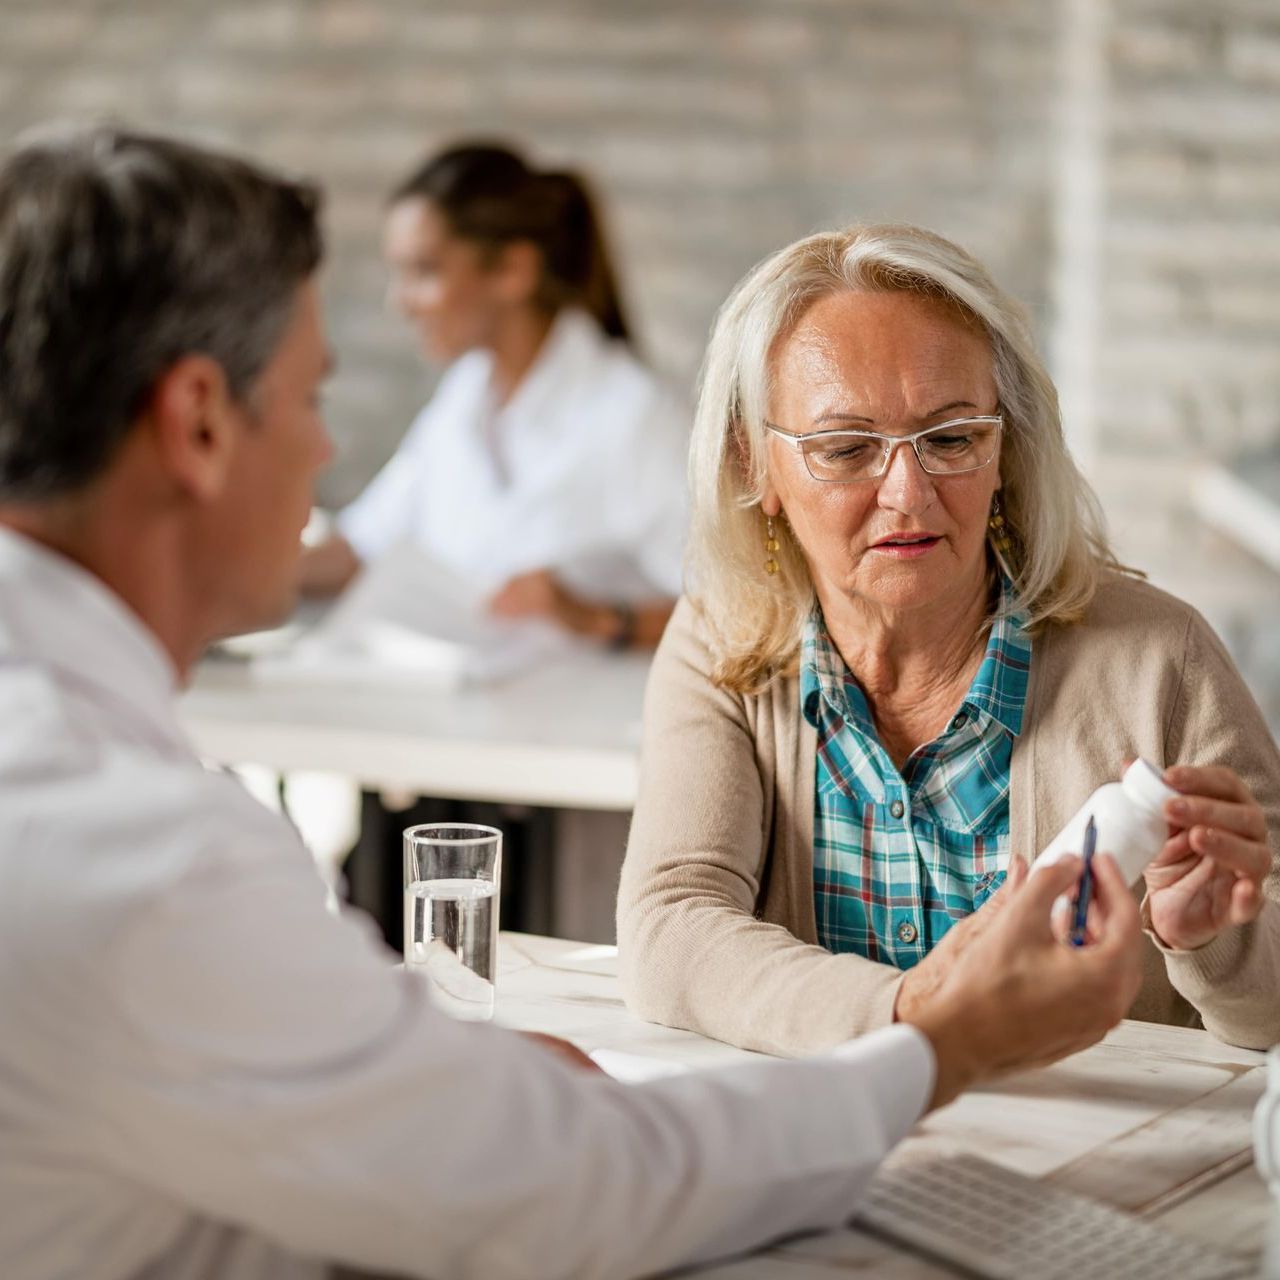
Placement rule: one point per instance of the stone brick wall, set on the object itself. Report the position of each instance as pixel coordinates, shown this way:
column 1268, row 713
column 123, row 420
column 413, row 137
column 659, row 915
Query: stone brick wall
column 1191, row 308
column 720, row 129
column 715, row 131
column 1188, row 364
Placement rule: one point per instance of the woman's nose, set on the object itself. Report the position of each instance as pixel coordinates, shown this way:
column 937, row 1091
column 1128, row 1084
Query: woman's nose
column 905, row 485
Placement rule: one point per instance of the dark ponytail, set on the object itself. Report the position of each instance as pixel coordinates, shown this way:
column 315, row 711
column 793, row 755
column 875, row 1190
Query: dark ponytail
column 489, row 195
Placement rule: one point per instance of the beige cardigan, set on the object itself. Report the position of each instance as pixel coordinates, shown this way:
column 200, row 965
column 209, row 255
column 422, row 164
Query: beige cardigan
column 716, row 923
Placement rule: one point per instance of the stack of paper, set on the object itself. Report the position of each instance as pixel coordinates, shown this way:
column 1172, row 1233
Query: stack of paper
column 407, row 617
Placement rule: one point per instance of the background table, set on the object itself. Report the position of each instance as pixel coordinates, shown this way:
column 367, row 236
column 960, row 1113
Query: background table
column 565, row 734
column 1155, row 1120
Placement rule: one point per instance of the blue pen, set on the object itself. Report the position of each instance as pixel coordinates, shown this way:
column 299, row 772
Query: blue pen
column 1086, row 885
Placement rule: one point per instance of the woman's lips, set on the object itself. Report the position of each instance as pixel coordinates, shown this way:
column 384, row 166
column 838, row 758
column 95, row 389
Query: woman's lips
column 912, row 550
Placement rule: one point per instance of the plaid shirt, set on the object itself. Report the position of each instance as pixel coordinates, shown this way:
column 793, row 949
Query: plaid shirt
column 898, row 858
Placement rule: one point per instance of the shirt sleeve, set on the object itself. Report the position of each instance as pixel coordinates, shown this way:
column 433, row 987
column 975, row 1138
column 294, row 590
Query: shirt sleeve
column 383, row 514
column 299, row 1087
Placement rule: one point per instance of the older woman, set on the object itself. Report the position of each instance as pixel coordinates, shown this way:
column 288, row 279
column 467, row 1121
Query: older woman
column 908, row 654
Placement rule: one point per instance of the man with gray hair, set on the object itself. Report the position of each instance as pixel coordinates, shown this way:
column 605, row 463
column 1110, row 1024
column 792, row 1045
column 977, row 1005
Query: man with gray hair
column 203, row 1073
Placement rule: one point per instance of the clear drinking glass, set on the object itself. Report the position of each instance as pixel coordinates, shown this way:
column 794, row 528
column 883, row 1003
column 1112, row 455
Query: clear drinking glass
column 451, row 876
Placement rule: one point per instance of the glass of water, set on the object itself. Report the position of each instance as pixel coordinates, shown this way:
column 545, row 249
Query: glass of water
column 451, row 877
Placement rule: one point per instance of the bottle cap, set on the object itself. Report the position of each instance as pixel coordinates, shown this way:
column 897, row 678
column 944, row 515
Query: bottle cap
column 1144, row 785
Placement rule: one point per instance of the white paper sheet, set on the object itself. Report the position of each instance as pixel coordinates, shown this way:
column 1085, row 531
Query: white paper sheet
column 634, row 1068
column 408, row 617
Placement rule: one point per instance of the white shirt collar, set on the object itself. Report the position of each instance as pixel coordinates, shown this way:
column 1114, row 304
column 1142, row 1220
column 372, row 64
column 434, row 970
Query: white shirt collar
column 54, row 614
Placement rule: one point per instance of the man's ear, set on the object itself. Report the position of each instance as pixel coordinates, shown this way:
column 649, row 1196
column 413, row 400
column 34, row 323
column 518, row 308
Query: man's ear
column 195, row 425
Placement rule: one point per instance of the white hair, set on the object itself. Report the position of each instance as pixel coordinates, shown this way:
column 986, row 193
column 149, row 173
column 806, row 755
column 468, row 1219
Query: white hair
column 1059, row 545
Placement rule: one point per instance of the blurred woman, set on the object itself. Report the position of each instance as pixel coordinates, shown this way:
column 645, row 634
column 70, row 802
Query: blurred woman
column 549, row 465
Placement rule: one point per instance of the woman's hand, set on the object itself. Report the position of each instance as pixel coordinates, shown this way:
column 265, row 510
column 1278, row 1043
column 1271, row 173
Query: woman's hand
column 1018, row 997
column 537, row 594
column 540, row 594
column 328, row 567
column 1209, row 874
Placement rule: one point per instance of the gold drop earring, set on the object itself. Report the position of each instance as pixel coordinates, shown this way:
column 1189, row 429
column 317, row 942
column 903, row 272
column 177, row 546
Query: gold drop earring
column 771, row 546
column 1000, row 539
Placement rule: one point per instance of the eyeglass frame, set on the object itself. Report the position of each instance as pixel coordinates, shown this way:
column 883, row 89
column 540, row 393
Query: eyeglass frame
column 796, row 439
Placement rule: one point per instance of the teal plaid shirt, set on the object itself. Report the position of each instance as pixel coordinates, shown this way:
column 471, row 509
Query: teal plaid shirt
column 898, row 858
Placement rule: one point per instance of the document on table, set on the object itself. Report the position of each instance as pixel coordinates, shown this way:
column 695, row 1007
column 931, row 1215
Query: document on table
column 407, row 617
column 635, row 1068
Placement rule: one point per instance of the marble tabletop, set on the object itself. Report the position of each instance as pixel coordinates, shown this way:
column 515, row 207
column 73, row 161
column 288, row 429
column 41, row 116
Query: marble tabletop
column 1154, row 1120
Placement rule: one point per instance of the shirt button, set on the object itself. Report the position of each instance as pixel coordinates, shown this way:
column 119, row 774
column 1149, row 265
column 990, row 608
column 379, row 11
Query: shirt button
column 897, row 808
column 959, row 720
column 906, row 931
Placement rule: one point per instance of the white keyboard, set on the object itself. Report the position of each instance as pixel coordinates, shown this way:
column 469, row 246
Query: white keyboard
column 992, row 1222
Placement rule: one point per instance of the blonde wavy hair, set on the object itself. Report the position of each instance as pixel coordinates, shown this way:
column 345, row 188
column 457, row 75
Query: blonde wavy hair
column 1059, row 543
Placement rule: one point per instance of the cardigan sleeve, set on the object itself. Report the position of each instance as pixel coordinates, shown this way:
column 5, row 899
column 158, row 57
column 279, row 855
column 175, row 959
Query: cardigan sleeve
column 1234, row 980
column 694, row 950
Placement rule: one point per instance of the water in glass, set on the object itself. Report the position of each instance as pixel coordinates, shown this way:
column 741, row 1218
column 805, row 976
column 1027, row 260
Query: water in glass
column 450, row 936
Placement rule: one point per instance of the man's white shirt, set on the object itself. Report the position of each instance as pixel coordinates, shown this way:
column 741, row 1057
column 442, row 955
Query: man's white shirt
column 203, row 1074
column 582, row 471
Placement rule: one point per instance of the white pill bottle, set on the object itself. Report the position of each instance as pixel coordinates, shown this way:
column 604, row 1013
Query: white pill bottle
column 1130, row 819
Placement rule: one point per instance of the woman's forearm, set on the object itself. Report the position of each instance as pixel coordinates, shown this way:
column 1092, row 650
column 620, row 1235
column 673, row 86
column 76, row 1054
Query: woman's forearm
column 328, row 567
column 620, row 626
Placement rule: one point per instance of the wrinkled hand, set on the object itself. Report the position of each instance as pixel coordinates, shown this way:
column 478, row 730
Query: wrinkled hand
column 921, row 983
column 1209, row 874
column 563, row 1050
column 1016, row 997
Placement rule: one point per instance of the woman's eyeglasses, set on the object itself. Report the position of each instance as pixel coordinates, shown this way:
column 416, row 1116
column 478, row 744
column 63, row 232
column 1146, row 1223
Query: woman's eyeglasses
column 948, row 449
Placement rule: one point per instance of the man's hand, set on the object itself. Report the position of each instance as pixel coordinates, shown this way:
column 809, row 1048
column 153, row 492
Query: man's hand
column 1210, row 872
column 920, row 984
column 563, row 1050
column 1017, row 997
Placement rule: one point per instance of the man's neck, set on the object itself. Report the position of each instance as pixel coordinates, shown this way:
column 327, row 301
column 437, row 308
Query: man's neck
column 140, row 568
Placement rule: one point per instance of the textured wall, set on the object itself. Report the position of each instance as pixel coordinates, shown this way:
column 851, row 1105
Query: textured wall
column 716, row 131
column 1188, row 365
column 1191, row 315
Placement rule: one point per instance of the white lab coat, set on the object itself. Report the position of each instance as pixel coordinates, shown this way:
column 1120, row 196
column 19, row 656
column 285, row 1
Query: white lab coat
column 205, row 1075
column 582, row 471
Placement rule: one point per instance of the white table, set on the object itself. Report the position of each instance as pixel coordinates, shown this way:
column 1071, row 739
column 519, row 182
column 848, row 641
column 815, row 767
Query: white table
column 1155, row 1120
column 565, row 734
